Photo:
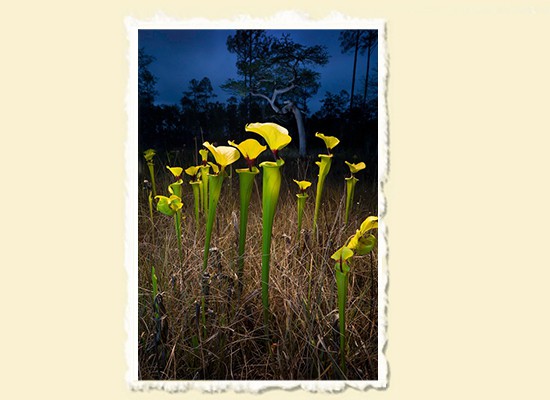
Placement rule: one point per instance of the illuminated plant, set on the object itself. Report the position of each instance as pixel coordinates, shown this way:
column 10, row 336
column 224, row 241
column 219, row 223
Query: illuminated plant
column 276, row 138
column 148, row 189
column 196, row 185
column 205, row 169
column 250, row 150
column 176, row 189
column 149, row 154
column 302, row 196
column 324, row 168
column 350, row 185
column 171, row 206
column 360, row 244
column 224, row 156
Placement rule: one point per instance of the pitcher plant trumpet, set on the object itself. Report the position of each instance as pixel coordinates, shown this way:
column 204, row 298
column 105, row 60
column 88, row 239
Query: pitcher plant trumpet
column 360, row 244
column 250, row 150
column 196, row 185
column 302, row 196
column 324, row 168
column 148, row 155
column 276, row 138
column 350, row 186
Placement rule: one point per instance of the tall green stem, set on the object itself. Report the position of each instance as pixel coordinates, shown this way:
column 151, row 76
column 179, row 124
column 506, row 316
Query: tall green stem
column 175, row 188
column 342, row 270
column 196, row 186
column 205, row 190
column 270, row 196
column 350, row 192
column 246, row 180
column 324, row 168
column 150, row 199
column 301, row 205
column 152, row 173
column 215, row 187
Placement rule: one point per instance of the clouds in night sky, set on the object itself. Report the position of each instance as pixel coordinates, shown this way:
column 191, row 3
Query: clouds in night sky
column 182, row 55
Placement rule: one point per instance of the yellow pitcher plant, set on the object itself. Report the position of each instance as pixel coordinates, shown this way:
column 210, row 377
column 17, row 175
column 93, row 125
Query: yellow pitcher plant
column 148, row 155
column 350, row 185
column 196, row 185
column 277, row 138
column 171, row 206
column 302, row 196
column 250, row 149
column 324, row 168
column 359, row 244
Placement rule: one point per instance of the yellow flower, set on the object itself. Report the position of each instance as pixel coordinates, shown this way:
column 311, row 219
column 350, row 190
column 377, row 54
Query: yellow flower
column 215, row 168
column 204, row 156
column 361, row 243
column 330, row 141
column 354, row 168
column 224, row 155
column 176, row 171
column 149, row 154
column 275, row 135
column 193, row 171
column 169, row 205
column 342, row 254
column 302, row 185
column 250, row 149
column 368, row 224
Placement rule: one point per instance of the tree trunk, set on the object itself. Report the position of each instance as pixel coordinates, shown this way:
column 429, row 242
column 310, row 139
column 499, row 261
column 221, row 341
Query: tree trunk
column 367, row 78
column 301, row 129
column 354, row 68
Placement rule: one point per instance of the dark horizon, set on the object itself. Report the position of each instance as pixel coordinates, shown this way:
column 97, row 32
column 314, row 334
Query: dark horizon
column 184, row 54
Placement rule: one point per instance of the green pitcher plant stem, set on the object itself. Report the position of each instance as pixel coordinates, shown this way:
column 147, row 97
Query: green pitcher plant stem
column 150, row 200
column 246, row 181
column 205, row 170
column 224, row 156
column 250, row 150
column 302, row 196
column 215, row 187
column 270, row 196
column 176, row 189
column 342, row 271
column 350, row 186
column 350, row 191
column 171, row 206
column 277, row 138
column 360, row 244
column 197, row 187
column 149, row 154
column 324, row 168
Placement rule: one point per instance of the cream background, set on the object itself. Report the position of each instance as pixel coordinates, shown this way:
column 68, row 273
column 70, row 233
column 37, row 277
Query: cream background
column 468, row 95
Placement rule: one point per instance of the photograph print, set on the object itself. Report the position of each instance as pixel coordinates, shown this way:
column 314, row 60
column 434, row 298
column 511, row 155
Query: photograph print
column 256, row 248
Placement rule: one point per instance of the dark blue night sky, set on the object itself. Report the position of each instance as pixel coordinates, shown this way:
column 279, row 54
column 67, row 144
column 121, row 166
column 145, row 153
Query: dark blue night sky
column 182, row 55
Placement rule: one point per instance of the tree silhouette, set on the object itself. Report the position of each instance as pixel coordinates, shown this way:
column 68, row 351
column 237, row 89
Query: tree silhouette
column 281, row 75
column 369, row 41
column 360, row 41
column 146, row 80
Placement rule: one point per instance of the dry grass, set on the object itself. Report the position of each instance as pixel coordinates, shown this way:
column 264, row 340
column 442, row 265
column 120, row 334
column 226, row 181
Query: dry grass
column 304, row 335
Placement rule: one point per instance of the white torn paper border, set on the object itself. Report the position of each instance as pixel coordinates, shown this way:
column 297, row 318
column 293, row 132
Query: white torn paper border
column 282, row 20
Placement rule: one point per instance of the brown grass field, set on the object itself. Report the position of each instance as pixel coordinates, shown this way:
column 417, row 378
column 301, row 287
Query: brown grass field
column 304, row 339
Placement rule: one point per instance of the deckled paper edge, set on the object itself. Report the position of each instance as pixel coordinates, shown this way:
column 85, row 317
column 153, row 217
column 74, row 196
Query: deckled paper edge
column 281, row 20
